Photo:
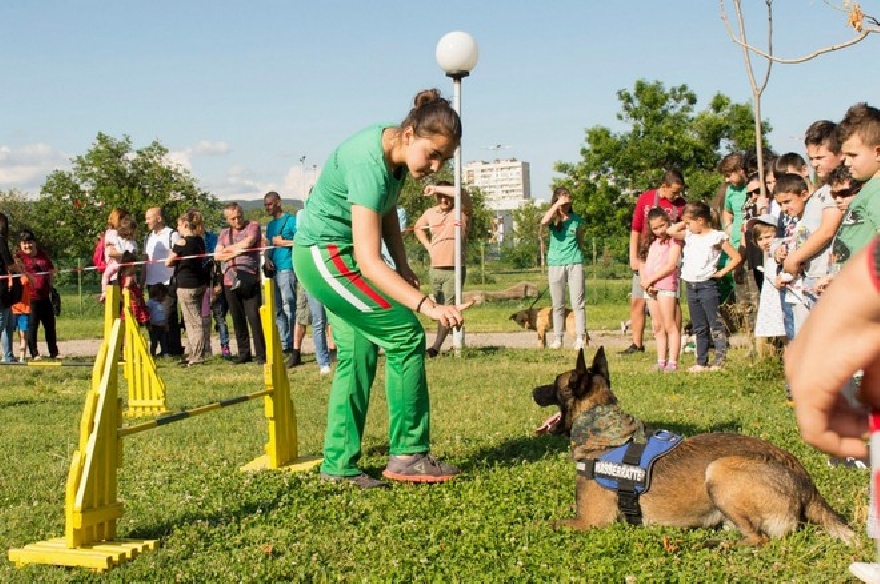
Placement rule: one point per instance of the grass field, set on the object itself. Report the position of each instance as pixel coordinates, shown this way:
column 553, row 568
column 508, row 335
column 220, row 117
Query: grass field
column 181, row 483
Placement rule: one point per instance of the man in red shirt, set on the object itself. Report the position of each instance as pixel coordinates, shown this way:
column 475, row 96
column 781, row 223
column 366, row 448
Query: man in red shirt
column 668, row 197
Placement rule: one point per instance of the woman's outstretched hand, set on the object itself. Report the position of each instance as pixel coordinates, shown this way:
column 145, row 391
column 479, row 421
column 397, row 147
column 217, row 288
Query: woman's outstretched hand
column 449, row 315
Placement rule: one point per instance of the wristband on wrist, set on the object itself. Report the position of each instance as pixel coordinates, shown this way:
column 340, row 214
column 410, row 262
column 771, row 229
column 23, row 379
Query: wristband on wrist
column 422, row 301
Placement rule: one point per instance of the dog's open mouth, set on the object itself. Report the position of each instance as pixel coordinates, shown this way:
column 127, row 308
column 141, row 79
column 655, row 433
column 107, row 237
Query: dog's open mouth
column 550, row 424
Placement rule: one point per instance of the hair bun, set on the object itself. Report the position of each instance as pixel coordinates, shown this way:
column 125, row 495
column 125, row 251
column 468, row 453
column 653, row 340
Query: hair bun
column 427, row 96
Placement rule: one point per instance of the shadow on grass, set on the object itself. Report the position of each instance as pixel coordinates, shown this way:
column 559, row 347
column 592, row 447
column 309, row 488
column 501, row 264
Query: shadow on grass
column 688, row 430
column 18, row 402
column 515, row 451
column 263, row 502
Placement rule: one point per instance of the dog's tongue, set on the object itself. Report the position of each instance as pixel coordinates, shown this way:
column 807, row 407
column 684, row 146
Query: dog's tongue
column 549, row 424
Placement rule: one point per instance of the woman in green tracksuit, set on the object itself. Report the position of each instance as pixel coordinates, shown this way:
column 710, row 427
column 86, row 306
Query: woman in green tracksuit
column 352, row 208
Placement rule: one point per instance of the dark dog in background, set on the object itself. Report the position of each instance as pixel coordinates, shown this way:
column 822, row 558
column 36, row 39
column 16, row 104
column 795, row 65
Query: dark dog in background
column 708, row 480
column 541, row 320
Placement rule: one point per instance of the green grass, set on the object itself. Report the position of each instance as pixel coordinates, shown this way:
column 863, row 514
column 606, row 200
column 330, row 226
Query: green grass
column 181, row 483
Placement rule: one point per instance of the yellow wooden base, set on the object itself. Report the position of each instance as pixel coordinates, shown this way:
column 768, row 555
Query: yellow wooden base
column 302, row 464
column 99, row 557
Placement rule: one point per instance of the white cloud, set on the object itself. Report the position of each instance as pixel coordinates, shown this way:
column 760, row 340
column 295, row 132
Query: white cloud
column 299, row 180
column 208, row 148
column 183, row 158
column 179, row 158
column 243, row 183
column 25, row 168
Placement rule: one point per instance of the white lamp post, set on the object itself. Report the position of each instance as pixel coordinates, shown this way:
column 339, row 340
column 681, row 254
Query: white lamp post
column 457, row 55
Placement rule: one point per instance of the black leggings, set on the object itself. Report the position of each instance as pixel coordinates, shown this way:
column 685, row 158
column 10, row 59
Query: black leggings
column 43, row 313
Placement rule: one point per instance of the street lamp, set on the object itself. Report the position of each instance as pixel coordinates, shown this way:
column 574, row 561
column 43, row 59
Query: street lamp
column 302, row 173
column 457, row 55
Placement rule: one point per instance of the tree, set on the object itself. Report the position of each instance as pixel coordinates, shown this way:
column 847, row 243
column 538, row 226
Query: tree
column 664, row 131
column 861, row 24
column 17, row 208
column 73, row 207
column 524, row 247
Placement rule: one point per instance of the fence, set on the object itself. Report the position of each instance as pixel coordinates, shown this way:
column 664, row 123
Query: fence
column 606, row 260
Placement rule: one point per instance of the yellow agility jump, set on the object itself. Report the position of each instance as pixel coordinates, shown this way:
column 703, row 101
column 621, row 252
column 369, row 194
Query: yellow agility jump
column 91, row 504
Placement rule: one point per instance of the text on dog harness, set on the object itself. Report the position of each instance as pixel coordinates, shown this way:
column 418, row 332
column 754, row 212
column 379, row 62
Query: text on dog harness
column 627, row 470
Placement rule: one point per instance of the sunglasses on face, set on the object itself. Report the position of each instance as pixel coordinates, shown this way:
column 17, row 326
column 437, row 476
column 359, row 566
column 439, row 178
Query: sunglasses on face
column 841, row 193
column 756, row 191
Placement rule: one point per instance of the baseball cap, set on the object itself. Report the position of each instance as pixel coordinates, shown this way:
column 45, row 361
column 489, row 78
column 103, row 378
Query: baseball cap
column 765, row 218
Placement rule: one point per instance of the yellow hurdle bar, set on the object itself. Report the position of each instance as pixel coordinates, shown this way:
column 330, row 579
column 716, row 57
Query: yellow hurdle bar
column 190, row 413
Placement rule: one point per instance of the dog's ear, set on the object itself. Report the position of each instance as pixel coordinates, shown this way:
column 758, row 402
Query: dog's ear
column 600, row 365
column 581, row 367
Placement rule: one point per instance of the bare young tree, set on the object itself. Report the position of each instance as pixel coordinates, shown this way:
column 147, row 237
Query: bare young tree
column 861, row 24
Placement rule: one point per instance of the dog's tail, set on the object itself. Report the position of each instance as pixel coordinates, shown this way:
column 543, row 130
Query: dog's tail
column 818, row 511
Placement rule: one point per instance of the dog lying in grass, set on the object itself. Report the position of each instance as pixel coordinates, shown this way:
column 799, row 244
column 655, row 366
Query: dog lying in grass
column 541, row 320
column 706, row 481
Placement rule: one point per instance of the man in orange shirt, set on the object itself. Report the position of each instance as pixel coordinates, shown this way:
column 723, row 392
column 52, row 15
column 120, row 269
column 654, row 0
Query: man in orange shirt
column 439, row 220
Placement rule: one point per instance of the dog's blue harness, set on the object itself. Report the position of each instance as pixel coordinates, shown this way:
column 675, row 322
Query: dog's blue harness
column 627, row 470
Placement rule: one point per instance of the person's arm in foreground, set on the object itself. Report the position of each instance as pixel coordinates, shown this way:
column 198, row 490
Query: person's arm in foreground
column 366, row 234
column 841, row 336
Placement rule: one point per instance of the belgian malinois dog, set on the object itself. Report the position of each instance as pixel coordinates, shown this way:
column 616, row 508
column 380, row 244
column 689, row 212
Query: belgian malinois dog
column 706, row 481
column 541, row 320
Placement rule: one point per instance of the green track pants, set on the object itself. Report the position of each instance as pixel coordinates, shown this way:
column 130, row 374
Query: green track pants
column 363, row 320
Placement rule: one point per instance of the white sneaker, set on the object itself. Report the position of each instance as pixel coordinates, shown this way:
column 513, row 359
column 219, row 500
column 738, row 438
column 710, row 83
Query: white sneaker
column 325, row 370
column 580, row 344
column 557, row 344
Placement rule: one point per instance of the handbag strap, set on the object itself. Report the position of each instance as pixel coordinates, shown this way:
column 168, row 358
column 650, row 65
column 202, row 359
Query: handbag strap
column 281, row 233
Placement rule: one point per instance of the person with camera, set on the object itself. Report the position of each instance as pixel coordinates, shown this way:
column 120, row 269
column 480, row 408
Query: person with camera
column 278, row 266
column 238, row 249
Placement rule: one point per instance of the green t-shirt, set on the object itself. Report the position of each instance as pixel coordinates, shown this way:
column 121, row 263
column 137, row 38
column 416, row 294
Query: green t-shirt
column 564, row 248
column 355, row 173
column 734, row 199
column 860, row 223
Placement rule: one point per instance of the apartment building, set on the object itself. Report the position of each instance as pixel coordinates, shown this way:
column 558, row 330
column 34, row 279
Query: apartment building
column 505, row 184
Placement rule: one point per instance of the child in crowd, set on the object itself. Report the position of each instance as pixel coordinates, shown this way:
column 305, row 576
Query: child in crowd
column 699, row 270
column 120, row 241
column 127, row 272
column 788, row 163
column 659, row 278
column 769, row 320
column 158, row 305
column 813, row 213
column 844, row 188
column 859, row 134
column 21, row 314
column 756, row 204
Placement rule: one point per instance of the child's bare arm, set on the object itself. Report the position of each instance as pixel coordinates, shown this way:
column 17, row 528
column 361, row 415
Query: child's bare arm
column 676, row 230
column 735, row 259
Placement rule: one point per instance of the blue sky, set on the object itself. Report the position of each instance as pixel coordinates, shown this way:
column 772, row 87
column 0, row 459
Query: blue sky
column 240, row 91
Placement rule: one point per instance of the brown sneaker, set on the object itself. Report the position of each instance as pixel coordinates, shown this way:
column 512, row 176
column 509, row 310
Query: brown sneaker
column 418, row 468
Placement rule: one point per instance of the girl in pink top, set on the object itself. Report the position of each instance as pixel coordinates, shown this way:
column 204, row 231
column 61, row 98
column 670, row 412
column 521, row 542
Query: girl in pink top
column 659, row 274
